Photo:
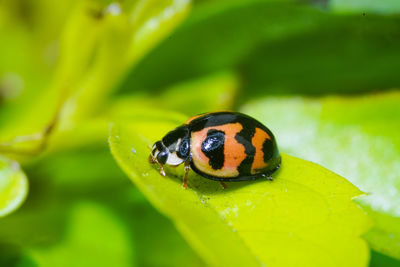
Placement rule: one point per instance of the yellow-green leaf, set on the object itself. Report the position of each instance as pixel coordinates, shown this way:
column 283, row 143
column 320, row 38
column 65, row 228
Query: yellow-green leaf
column 305, row 217
column 13, row 186
column 357, row 137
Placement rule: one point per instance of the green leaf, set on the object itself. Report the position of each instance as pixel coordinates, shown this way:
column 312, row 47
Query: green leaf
column 94, row 238
column 306, row 212
column 357, row 137
column 363, row 6
column 13, row 186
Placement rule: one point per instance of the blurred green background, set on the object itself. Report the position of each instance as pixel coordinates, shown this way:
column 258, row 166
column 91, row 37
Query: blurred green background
column 323, row 75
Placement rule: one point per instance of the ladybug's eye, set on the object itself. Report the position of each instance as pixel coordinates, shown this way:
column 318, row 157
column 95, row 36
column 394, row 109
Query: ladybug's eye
column 183, row 151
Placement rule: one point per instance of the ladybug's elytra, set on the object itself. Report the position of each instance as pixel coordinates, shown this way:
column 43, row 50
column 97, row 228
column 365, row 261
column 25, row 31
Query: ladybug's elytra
column 222, row 146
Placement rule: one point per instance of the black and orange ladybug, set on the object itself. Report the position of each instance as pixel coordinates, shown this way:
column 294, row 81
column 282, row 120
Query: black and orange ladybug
column 222, row 146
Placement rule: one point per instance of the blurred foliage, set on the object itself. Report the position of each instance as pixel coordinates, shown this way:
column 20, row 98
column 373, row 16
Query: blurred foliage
column 222, row 87
column 13, row 186
column 383, row 6
column 81, row 238
column 68, row 68
column 269, row 45
column 306, row 212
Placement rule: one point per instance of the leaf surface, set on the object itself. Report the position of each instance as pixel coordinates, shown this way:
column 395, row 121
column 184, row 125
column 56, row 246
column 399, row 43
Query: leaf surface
column 306, row 212
column 357, row 137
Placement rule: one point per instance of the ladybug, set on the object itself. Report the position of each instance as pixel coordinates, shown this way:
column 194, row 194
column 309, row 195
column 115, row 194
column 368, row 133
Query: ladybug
column 221, row 146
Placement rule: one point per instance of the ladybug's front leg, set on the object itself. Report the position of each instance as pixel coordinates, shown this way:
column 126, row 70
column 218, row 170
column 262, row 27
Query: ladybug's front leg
column 187, row 169
column 153, row 160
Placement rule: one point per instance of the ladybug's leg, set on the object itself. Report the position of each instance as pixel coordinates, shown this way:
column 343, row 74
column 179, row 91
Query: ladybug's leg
column 187, row 169
column 153, row 160
column 224, row 186
column 162, row 172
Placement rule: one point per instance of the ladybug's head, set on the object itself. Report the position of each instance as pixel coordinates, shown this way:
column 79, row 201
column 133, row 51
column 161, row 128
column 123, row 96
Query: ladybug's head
column 173, row 149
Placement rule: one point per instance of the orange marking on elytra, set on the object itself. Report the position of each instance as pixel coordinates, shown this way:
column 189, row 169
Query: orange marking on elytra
column 258, row 141
column 234, row 152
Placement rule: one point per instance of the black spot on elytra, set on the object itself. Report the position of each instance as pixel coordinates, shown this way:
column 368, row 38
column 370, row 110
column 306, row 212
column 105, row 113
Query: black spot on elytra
column 213, row 148
column 244, row 137
column 268, row 150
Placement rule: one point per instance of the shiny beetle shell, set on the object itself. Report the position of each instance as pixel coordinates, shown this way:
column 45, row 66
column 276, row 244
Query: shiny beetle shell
column 222, row 146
